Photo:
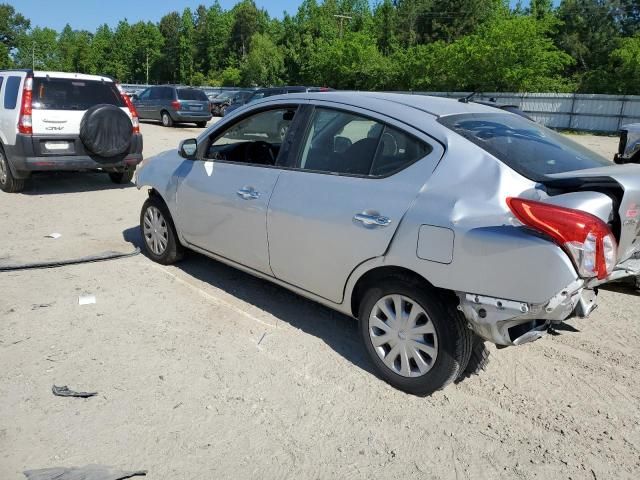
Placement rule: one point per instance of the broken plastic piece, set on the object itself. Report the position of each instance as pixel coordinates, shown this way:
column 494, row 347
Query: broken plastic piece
column 86, row 299
column 90, row 472
column 53, row 235
column 65, row 392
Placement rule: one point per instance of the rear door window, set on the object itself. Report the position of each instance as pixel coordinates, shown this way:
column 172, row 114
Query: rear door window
column 191, row 94
column 11, row 92
column 73, row 94
column 525, row 146
column 346, row 144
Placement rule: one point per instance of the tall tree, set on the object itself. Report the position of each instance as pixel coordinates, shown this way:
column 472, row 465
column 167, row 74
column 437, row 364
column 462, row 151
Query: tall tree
column 12, row 26
column 170, row 26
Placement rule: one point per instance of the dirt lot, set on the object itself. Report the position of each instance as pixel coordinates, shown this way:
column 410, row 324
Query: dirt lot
column 204, row 372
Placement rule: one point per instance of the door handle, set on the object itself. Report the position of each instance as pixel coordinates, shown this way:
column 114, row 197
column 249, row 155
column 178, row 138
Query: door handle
column 372, row 220
column 248, row 193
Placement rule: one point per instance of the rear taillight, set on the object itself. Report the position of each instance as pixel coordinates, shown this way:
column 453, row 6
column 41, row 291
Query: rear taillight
column 587, row 239
column 132, row 109
column 176, row 105
column 25, row 124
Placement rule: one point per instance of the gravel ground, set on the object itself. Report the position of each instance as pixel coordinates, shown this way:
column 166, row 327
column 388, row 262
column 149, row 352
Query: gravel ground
column 205, row 372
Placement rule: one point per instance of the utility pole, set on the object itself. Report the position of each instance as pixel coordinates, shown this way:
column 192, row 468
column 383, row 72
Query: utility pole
column 342, row 19
column 33, row 56
column 147, row 66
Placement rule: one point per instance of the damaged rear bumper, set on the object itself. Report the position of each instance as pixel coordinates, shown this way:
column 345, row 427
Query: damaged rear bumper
column 507, row 322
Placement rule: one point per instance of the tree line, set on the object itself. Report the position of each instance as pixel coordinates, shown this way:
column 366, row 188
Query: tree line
column 439, row 45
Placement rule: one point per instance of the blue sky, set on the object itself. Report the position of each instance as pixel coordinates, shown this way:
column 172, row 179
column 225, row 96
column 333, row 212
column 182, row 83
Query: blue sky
column 88, row 14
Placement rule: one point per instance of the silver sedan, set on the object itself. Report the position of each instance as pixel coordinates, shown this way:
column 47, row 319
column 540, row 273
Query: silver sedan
column 439, row 224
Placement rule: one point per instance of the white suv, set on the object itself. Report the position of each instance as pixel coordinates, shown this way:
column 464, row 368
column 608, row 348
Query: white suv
column 65, row 121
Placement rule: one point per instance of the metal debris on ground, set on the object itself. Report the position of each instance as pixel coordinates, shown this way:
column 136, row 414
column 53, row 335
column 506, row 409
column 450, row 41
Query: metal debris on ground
column 90, row 472
column 53, row 235
column 65, row 392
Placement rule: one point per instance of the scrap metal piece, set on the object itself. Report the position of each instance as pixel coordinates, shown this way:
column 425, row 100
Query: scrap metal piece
column 89, row 472
column 65, row 392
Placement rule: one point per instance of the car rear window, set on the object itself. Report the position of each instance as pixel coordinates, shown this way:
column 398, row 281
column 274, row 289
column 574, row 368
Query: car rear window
column 73, row 94
column 191, row 94
column 527, row 147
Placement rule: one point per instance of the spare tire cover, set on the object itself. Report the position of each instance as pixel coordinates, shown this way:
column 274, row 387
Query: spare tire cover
column 105, row 130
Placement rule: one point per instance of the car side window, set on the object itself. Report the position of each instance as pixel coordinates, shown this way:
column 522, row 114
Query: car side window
column 255, row 140
column 11, row 92
column 167, row 93
column 154, row 93
column 145, row 95
column 340, row 142
column 343, row 143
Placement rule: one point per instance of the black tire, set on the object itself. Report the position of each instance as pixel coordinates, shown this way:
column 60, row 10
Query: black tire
column 121, row 178
column 166, row 119
column 478, row 360
column 454, row 338
column 105, row 131
column 8, row 183
column 174, row 251
column 201, row 124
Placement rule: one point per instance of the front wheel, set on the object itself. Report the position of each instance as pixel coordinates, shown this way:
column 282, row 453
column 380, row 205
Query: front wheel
column 159, row 233
column 415, row 341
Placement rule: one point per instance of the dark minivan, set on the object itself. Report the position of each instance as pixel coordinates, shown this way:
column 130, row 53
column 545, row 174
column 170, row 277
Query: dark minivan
column 173, row 104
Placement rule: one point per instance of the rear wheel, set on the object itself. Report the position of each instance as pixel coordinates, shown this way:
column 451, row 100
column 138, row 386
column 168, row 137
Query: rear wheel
column 167, row 121
column 121, row 178
column 416, row 342
column 478, row 360
column 201, row 124
column 159, row 233
column 8, row 183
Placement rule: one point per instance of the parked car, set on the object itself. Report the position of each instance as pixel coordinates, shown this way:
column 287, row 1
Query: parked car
column 221, row 101
column 438, row 224
column 629, row 145
column 65, row 121
column 173, row 104
column 260, row 93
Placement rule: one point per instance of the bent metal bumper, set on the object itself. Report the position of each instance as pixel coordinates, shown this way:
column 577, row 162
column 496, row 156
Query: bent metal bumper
column 507, row 322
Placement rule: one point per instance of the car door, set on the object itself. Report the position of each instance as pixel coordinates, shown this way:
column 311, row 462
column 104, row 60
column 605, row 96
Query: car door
column 356, row 177
column 222, row 200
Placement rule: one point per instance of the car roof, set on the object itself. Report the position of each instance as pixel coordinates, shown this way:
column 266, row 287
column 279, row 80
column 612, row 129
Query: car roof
column 437, row 106
column 73, row 76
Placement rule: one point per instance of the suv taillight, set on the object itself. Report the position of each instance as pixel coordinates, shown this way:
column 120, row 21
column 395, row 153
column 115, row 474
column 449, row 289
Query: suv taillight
column 176, row 105
column 25, row 124
column 132, row 109
column 587, row 239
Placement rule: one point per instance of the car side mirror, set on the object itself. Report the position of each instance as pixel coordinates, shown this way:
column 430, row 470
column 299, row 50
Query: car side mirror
column 188, row 148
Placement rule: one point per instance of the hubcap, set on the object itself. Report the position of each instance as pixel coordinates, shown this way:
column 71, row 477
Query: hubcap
column 3, row 170
column 156, row 233
column 165, row 119
column 403, row 336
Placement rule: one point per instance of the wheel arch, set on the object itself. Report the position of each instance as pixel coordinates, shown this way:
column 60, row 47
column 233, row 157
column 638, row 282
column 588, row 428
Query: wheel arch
column 378, row 273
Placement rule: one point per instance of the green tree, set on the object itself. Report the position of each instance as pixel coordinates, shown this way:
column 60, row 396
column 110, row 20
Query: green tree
column 247, row 21
column 38, row 49
column 187, row 47
column 264, row 65
column 13, row 26
column 170, row 26
column 147, row 50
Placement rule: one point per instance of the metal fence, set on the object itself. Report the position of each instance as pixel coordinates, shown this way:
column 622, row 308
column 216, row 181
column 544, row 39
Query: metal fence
column 571, row 111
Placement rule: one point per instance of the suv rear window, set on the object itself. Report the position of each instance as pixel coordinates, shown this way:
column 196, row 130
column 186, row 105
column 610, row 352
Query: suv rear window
column 525, row 146
column 73, row 94
column 191, row 94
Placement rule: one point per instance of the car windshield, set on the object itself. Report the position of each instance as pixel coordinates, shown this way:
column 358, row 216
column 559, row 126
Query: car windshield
column 191, row 94
column 527, row 147
column 73, row 94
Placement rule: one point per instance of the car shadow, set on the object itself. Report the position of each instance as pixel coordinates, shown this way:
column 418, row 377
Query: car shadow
column 626, row 287
column 338, row 331
column 52, row 183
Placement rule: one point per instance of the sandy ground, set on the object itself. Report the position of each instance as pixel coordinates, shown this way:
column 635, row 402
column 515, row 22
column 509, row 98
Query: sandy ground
column 204, row 372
